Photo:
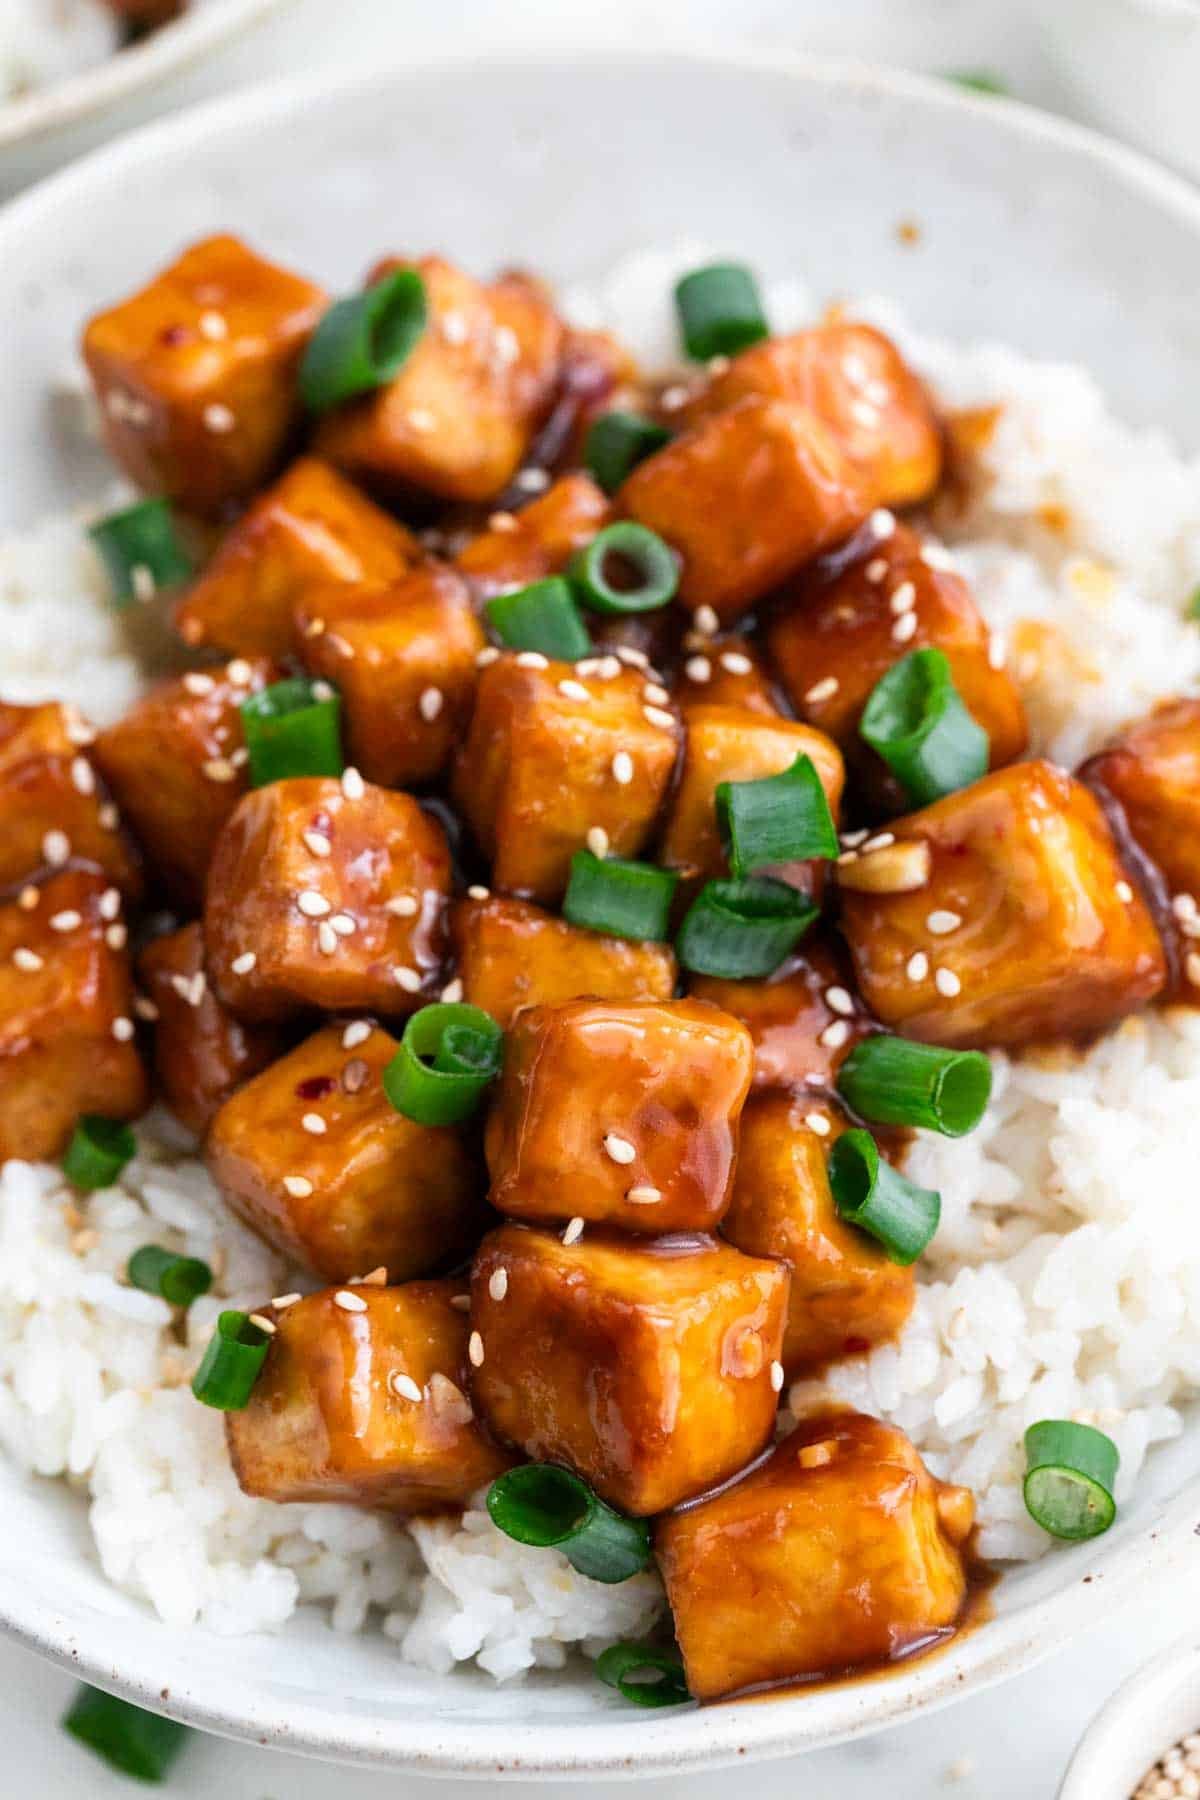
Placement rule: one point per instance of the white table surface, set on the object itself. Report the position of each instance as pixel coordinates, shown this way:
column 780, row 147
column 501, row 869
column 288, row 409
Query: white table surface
column 1013, row 1743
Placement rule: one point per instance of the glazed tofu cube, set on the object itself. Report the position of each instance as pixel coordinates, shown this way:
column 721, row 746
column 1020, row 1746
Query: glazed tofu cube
column 52, row 808
column 646, row 1365
column 805, row 1018
column 66, row 1003
column 596, row 375
column 202, row 1054
column 326, row 893
column 175, row 762
column 312, row 529
column 746, row 498
column 362, row 1400
column 841, row 1550
column 403, row 659
column 510, row 954
column 539, row 540
column 622, row 1114
column 456, row 420
column 846, row 1294
column 725, row 671
column 1025, row 927
column 550, row 757
column 196, row 374
column 724, row 743
column 316, row 1160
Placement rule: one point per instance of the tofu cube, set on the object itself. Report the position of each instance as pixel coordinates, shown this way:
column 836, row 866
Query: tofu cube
column 646, row 1365
column 458, row 417
column 539, row 540
column 1025, row 929
column 846, row 1294
column 316, row 1160
column 841, row 1550
column 805, row 1018
column 326, row 893
column 622, row 1114
column 52, row 807
column 365, row 1406
column 175, row 762
column 510, row 954
column 66, row 1027
column 311, row 529
column 549, row 757
column 403, row 659
column 196, row 373
column 725, row 671
column 746, row 498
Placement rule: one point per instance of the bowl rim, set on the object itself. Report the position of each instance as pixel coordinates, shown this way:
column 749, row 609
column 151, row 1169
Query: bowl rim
column 691, row 1738
column 1096, row 1769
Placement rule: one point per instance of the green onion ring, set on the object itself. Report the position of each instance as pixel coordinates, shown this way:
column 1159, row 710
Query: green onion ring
column 99, row 1149
column 449, row 1055
column 892, row 1081
column 140, row 550
column 648, row 570
column 230, row 1366
column 623, row 899
column 743, row 930
column 542, row 616
column 549, row 1507
column 720, row 311
column 915, row 720
column 779, row 819
column 1070, row 1473
column 364, row 341
column 290, row 731
column 179, row 1279
column 870, row 1194
column 617, row 1665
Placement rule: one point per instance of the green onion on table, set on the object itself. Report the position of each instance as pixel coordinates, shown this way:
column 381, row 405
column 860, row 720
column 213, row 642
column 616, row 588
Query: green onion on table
column 127, row 1737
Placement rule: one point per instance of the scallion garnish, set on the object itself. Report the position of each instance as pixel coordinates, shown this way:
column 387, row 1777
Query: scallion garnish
column 547, row 1506
column 140, row 550
column 720, row 311
column 179, row 1279
column 617, row 442
column 625, row 569
column 742, row 930
column 98, row 1151
column 869, row 1193
column 447, row 1057
column 1070, row 1472
column 125, row 1736
column 624, row 899
column 291, row 730
column 364, row 341
column 779, row 819
column 893, row 1081
column 542, row 616
column 646, row 1674
column 916, row 722
column 229, row 1367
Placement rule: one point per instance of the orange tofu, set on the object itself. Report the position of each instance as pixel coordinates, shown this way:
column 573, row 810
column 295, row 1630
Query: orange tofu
column 805, row 1018
column 840, row 1551
column 66, row 1014
column 746, row 498
column 1035, row 931
column 196, row 373
column 52, row 807
column 458, row 417
column 646, row 1365
column 175, row 762
column 510, row 954
column 367, row 1407
column 726, row 671
column 539, row 540
column 622, row 1114
column 369, row 1188
column 326, row 893
column 597, row 374
column 403, row 659
column 311, row 529
column 549, row 757
column 846, row 1294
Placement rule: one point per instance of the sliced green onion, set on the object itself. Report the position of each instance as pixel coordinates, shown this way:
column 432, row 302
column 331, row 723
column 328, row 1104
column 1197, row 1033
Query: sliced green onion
column 140, row 550
column 364, row 341
column 229, row 1367
column 869, row 1193
column 625, row 569
column 546, row 1506
column 542, row 616
column 646, row 1674
column 779, row 819
column 894, row 1082
column 978, row 81
column 447, row 1057
column 1071, row 1470
column 617, row 443
column 625, row 899
column 916, row 722
column 179, row 1279
column 98, row 1151
column 742, row 930
column 720, row 311
column 292, row 728
column 128, row 1738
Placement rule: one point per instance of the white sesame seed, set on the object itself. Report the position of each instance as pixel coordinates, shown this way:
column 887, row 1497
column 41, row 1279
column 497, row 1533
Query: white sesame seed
column 454, row 328
column 597, row 840
column 917, row 966
column 506, row 344
column 532, row 481
column 936, row 556
column 610, row 668
column 1192, row 968
column 116, row 937
column 655, row 715
column 839, row 1001
column 145, row 1009
column 904, row 598
column 735, row 663
column 822, row 690
column 672, row 398
column 698, row 669
column 997, row 654
column 218, row 419
column 316, row 843
column 349, row 1302
column 852, row 839
column 532, row 659
column 353, row 785
column 264, row 1324
column 79, row 731
column 475, row 1350
column 344, row 924
column 213, row 326
column 942, row 921
column 421, row 420
column 1123, row 892
column 705, row 619
column 635, row 659
column 109, row 904
column 239, row 673
column 123, row 1029
column 489, row 654
column 622, row 767
column 298, row 1186
column 644, row 1195
column 904, row 628
column 183, row 987
column 28, row 960
column 242, row 965
column 408, row 979
column 314, row 628
column 404, row 906
column 281, row 1302
column 312, row 904
column 56, row 848
column 619, row 1148
column 327, row 939
column 875, row 570
column 818, row 1123
column 476, row 892
column 82, row 778
column 218, row 768
column 198, row 683
column 1184, row 906
column 503, row 522
column 356, row 1033
column 498, row 1284
column 67, row 920
column 430, row 704
column 573, row 690
column 452, row 993
column 573, row 1232
column 947, row 983
column 835, row 1035
column 405, row 1387
column 883, row 840
column 143, row 583
column 777, row 1376
column 28, row 898
column 197, row 987
column 656, row 694
column 882, row 522
column 314, row 1123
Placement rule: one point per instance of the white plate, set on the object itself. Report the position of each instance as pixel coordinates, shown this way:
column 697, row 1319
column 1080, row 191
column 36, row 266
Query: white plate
column 1031, row 231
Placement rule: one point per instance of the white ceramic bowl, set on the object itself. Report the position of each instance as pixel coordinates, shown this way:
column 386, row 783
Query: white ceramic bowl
column 1132, row 67
column 1137, row 1725
column 1030, row 231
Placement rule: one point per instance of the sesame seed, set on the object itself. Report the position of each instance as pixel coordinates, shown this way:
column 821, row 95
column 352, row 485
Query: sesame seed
column 404, row 1386
column 489, row 654
column 344, row 924
column 183, row 987
column 454, row 328
column 28, row 960
column 875, row 570
column 116, row 937
column 904, row 598
column 777, row 1376
column 353, row 785
column 882, row 522
column 532, row 481
column 219, row 768
column 430, row 704
column 839, row 1001
column 997, row 655
column 475, row 1350
column 822, row 690
column 815, row 1456
column 355, row 1076
column 705, row 619
column 317, row 843
column 67, row 920
column 635, row 659
column 476, row 892
column 852, row 839
column 314, row 1123
column 79, row 731
column 655, row 715
column 404, row 906
column 421, row 420
column 1123, row 891
column 818, row 1123
column 461, row 1302
column 610, row 668
column 532, row 659
column 644, row 1196
column 1184, row 906
column 883, row 840
column 213, row 326
column 321, row 690
column 498, row 1283
column 145, row 1009
column 917, row 966
column 298, row 1186
column 936, row 556
column 735, row 663
column 356, row 1033
column 656, row 695
column 947, row 983
column 242, row 965
column 622, row 767
column 408, row 979
column 835, row 1035
column 573, row 690
column 503, row 522
column 123, row 1029
column 506, row 344
column 573, row 1232
column 56, row 848
column 1192, row 967
column 452, row 993
column 239, row 673
column 698, row 668
column 375, row 1278
column 904, row 628
column 597, row 840
column 197, row 987
column 327, row 939
column 672, row 398
column 263, row 1323
column 281, row 1302
column 109, row 904
column 312, row 904
column 349, row 1302
column 314, row 628
column 199, row 684
column 82, row 778
column 619, row 1148
column 218, row 419
column 27, row 899
column 942, row 922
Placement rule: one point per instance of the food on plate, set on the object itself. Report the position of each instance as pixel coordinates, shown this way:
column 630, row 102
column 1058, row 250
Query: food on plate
column 43, row 42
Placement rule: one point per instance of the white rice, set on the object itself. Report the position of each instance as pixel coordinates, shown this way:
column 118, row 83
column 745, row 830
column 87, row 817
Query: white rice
column 1065, row 1278
column 45, row 41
